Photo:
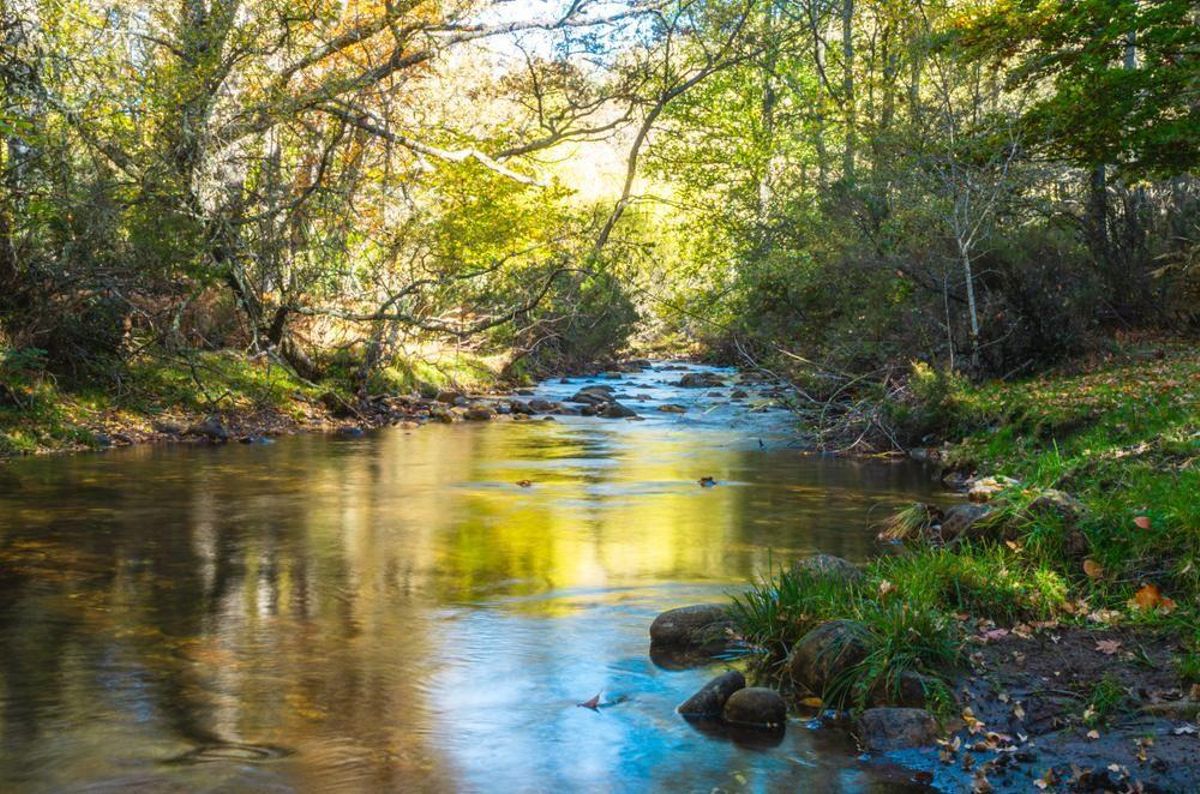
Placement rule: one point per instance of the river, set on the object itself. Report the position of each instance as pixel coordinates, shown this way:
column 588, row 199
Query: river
column 394, row 613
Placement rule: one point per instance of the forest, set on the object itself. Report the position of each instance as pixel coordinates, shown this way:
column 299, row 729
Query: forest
column 840, row 188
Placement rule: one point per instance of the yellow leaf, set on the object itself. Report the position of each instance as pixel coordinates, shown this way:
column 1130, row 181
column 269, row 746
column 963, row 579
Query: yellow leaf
column 1093, row 569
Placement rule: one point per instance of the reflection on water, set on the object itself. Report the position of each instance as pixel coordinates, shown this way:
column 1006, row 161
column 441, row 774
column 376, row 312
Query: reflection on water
column 393, row 613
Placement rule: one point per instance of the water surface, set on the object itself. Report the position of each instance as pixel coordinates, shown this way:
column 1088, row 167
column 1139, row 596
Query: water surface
column 393, row 613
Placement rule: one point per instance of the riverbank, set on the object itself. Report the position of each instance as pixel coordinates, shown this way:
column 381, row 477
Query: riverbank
column 217, row 396
column 1049, row 618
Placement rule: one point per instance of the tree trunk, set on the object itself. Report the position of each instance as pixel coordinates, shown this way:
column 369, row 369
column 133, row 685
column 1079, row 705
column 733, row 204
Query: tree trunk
column 848, row 88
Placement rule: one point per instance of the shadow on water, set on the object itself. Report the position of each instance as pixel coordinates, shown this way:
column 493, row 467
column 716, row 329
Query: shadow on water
column 394, row 612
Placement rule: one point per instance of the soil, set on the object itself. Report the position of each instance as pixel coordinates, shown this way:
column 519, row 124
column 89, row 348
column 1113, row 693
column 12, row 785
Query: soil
column 1032, row 717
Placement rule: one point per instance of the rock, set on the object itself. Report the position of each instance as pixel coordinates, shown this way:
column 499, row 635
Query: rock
column 337, row 406
column 700, row 380
column 614, row 410
column 521, row 407
column 613, row 375
column 710, row 699
column 739, row 394
column 526, row 392
column 211, row 428
column 478, row 413
column 350, row 432
column 696, row 626
column 1058, row 503
column 592, row 395
column 827, row 566
column 911, row 690
column 461, row 401
column 884, row 729
column 448, row 396
column 984, row 489
column 168, row 426
column 964, row 520
column 441, row 415
column 102, row 440
column 542, row 406
column 826, row 652
column 671, row 408
column 755, row 707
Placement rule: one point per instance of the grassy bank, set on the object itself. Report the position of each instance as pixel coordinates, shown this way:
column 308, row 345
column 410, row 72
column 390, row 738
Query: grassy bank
column 41, row 412
column 1114, row 440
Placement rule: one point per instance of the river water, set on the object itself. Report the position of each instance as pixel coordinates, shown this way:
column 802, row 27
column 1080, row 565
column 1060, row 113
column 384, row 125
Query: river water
column 393, row 613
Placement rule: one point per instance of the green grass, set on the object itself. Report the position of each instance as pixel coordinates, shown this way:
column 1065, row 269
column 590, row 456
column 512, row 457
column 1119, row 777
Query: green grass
column 1122, row 436
column 912, row 607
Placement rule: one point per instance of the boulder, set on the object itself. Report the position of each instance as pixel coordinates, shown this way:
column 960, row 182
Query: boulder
column 521, row 407
column 448, row 396
column 615, row 410
column 671, row 408
column 350, row 431
column 964, row 520
column 696, row 626
column 827, row 566
column 478, row 413
column 739, row 394
column 211, row 428
column 827, row 652
column 710, row 699
column 885, row 729
column 755, row 707
column 542, row 406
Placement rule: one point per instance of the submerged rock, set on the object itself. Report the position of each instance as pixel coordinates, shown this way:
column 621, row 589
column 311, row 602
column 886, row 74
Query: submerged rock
column 826, row 652
column 755, row 707
column 700, row 380
column 671, row 408
column 827, row 566
column 692, row 627
column 710, row 699
column 884, row 729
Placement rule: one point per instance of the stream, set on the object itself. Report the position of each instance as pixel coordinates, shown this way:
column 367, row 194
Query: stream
column 394, row 613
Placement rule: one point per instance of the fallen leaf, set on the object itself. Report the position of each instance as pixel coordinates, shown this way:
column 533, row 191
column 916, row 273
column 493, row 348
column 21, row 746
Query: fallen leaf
column 1142, row 522
column 1093, row 734
column 1108, row 647
column 1018, row 712
column 593, row 704
column 1093, row 569
column 886, row 588
column 812, row 702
